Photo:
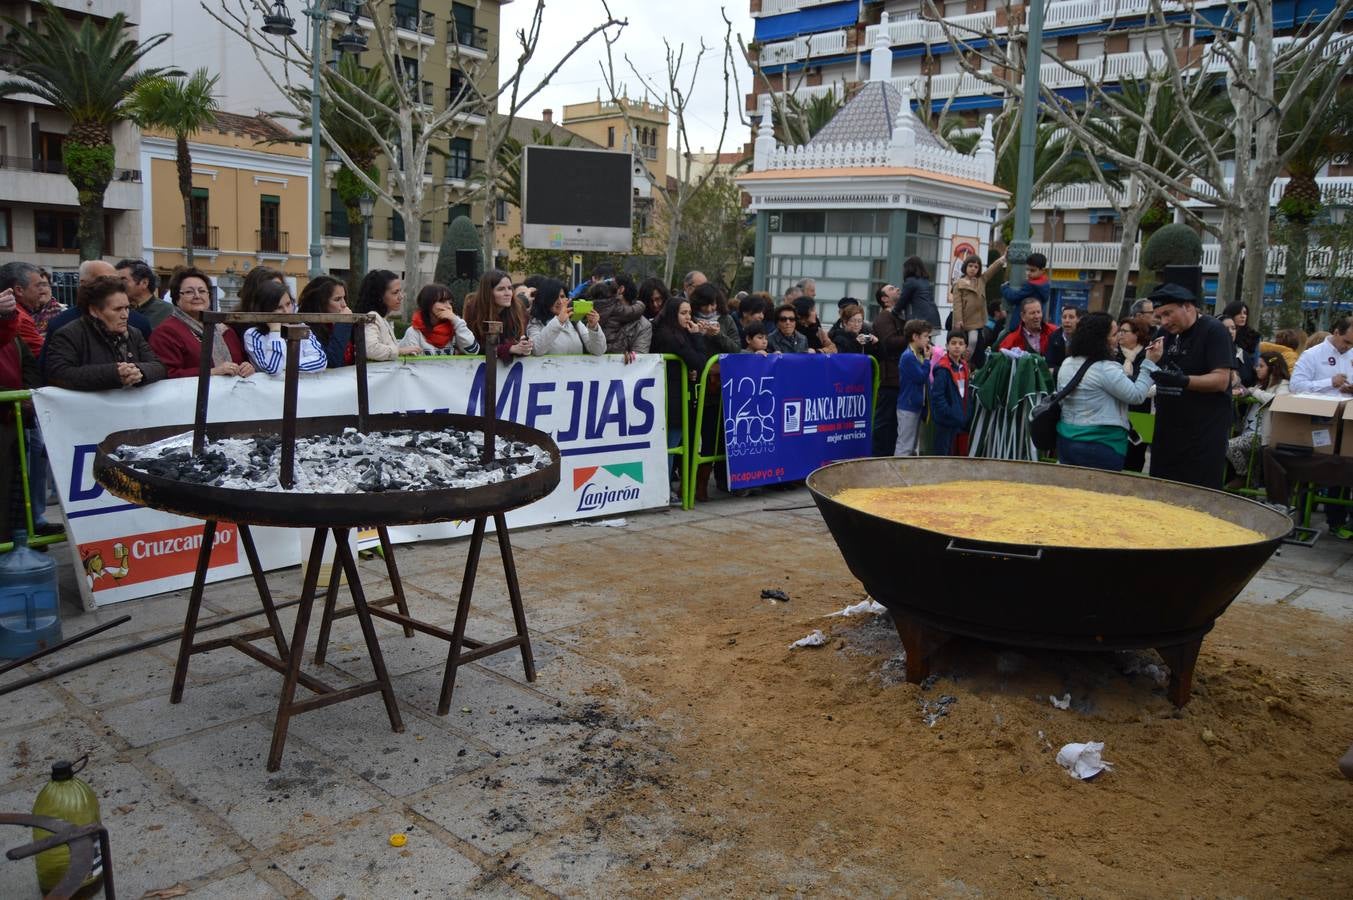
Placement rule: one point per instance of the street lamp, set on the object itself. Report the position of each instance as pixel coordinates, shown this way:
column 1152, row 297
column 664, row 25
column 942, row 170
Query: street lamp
column 279, row 22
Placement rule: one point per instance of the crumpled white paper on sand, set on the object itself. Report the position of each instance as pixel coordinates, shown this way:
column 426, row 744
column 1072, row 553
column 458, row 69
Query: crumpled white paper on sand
column 601, row 523
column 1083, row 760
column 816, row 639
column 868, row 605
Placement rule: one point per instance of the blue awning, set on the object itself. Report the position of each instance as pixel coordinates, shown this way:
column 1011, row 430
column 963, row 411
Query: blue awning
column 807, row 21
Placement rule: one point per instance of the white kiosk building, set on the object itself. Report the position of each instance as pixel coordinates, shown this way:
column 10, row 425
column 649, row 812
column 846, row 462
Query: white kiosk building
column 869, row 190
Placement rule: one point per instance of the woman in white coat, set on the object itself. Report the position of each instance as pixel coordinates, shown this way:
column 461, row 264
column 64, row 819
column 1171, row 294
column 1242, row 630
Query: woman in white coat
column 551, row 328
column 380, row 295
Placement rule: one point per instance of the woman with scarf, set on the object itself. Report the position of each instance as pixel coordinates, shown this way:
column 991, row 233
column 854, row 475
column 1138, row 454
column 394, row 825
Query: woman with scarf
column 436, row 329
column 709, row 311
column 177, row 341
column 97, row 351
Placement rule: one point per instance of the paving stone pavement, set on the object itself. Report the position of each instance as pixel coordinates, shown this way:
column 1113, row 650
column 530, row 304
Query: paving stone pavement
column 495, row 799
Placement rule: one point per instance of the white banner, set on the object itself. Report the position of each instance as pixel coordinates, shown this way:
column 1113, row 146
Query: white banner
column 608, row 419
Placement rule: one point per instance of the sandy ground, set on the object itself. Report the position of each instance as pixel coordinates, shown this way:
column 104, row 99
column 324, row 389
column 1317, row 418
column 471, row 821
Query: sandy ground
column 674, row 746
column 816, row 770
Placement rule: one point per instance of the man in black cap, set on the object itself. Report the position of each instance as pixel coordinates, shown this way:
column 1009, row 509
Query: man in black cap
column 1193, row 404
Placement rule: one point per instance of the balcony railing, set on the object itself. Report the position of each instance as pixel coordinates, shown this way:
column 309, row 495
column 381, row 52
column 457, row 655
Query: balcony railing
column 1105, row 257
column 473, row 38
column 205, row 237
column 820, row 44
column 460, row 168
column 268, row 241
column 57, row 167
column 336, row 224
column 397, row 230
column 1059, row 14
column 929, row 31
column 348, row 7
column 424, row 23
column 959, row 84
column 461, row 93
column 779, row 7
column 1334, row 191
column 427, row 164
column 419, row 91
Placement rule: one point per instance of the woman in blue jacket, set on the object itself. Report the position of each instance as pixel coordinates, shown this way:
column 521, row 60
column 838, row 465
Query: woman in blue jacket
column 1093, row 431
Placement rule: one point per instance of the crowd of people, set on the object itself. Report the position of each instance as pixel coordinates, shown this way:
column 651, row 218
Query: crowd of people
column 1209, row 380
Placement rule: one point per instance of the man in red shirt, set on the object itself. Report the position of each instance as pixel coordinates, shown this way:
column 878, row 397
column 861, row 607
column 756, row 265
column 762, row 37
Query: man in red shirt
column 22, row 280
column 1033, row 334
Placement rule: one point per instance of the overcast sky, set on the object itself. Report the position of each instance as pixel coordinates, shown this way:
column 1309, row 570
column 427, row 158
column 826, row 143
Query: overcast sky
column 650, row 21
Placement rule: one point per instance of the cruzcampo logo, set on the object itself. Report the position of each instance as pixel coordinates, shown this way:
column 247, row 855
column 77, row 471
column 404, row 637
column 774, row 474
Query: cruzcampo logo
column 593, row 496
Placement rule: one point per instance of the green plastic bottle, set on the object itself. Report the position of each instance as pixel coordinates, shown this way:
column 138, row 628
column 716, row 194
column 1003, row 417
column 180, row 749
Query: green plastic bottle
column 65, row 797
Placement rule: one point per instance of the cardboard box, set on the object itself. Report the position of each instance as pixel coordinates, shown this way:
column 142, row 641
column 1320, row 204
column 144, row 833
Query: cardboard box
column 1307, row 420
column 1346, row 431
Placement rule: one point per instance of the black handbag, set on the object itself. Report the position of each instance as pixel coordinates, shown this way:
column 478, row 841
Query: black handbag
column 1045, row 415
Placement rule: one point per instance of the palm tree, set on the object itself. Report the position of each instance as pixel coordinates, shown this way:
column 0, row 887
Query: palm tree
column 185, row 107
column 1301, row 202
column 1148, row 125
column 796, row 121
column 88, row 73
column 365, row 90
column 1057, row 161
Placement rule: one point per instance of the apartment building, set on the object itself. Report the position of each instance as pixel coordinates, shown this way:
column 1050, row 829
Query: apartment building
column 250, row 200
column 443, row 46
column 811, row 47
column 39, row 210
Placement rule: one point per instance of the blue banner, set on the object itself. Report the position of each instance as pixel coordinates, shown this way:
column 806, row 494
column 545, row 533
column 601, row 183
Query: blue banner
column 785, row 416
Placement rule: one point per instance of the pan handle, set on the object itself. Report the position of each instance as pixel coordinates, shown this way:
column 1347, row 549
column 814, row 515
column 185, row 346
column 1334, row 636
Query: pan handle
column 953, row 547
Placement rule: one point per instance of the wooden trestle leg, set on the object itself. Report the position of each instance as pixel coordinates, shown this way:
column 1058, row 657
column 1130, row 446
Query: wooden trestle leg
column 293, row 669
column 453, row 654
column 194, row 607
column 528, row 661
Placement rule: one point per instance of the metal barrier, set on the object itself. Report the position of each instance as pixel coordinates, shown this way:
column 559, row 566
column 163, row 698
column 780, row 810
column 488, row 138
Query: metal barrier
column 18, row 398
column 686, row 470
column 695, row 458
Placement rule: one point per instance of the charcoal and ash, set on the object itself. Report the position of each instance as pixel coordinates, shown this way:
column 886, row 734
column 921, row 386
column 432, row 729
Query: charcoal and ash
column 349, row 462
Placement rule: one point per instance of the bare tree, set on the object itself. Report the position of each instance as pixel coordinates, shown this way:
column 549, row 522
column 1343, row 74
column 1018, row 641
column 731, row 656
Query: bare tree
column 676, row 94
column 421, row 129
column 1244, row 45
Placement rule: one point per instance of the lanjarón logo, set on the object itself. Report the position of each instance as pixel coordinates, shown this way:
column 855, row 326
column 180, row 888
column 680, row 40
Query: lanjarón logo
column 593, row 495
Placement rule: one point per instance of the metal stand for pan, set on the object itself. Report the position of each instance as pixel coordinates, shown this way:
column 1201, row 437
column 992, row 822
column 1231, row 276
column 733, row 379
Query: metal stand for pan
column 88, row 845
column 335, row 515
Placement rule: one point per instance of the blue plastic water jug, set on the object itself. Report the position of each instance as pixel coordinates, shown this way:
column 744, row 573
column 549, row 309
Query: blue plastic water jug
column 29, row 616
